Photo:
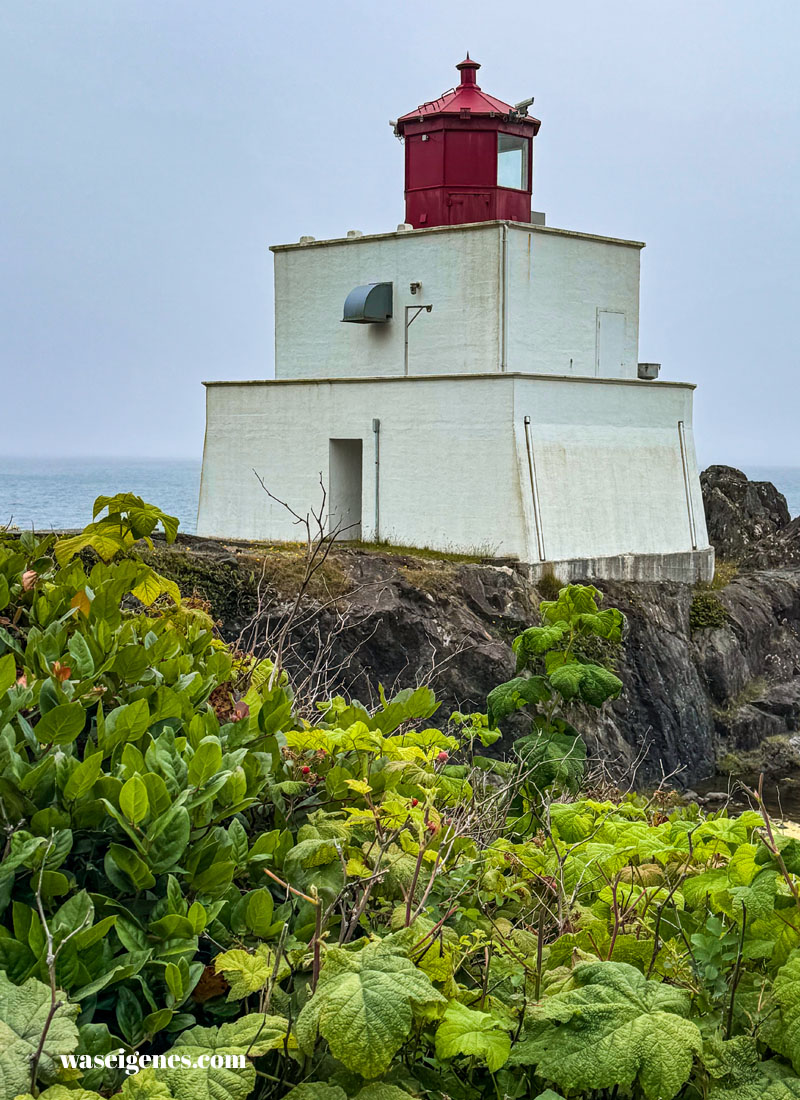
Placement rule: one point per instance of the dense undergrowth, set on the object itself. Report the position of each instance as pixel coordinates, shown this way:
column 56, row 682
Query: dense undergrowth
column 363, row 906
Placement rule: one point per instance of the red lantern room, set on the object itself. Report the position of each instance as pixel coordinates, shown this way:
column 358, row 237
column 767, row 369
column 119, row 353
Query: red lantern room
column 469, row 157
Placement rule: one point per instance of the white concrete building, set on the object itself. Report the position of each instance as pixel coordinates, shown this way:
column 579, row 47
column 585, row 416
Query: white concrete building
column 489, row 399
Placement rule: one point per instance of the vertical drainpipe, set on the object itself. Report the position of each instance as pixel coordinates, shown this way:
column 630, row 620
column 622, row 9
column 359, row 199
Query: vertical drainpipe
column 687, row 483
column 537, row 512
column 503, row 295
column 376, row 430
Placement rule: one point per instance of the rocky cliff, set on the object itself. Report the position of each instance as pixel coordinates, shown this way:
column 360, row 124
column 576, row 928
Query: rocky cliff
column 708, row 671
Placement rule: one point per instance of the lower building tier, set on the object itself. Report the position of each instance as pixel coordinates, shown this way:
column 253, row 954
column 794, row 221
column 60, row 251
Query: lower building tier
column 598, row 476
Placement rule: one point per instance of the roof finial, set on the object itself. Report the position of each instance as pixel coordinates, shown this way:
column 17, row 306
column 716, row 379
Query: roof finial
column 468, row 68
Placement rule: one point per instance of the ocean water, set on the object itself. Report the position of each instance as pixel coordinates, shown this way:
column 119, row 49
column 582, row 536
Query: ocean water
column 58, row 493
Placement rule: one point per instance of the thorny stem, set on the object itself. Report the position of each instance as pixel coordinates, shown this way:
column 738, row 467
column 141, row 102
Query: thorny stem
column 736, row 974
column 539, row 950
column 286, row 886
column 317, row 948
column 770, row 839
column 487, row 960
column 52, row 955
column 412, row 889
column 274, row 975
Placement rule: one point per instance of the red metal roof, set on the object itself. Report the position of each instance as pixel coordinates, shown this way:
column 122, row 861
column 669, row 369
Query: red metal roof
column 466, row 97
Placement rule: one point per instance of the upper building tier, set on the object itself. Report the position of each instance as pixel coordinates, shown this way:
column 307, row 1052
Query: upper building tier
column 469, row 156
column 485, row 298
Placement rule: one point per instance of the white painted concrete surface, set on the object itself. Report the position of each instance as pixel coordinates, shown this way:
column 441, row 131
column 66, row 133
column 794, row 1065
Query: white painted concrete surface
column 513, row 426
column 560, row 287
column 455, row 470
column 505, row 297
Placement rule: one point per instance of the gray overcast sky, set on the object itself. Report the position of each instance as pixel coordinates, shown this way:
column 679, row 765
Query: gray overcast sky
column 153, row 149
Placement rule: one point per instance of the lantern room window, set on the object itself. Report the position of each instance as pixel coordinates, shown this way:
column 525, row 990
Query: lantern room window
column 512, row 161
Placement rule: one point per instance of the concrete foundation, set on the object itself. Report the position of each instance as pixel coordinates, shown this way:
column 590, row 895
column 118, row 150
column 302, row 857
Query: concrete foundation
column 688, row 568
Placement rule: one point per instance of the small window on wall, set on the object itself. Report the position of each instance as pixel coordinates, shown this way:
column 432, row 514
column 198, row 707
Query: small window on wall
column 512, row 161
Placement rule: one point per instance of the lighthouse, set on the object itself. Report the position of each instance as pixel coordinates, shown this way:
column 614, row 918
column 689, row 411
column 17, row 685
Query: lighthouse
column 468, row 157
column 466, row 382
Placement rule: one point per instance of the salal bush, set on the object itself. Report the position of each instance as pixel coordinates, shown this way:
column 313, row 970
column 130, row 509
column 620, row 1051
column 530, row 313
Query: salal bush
column 363, row 906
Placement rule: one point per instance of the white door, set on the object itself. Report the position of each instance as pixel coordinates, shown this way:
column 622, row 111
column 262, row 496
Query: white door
column 610, row 359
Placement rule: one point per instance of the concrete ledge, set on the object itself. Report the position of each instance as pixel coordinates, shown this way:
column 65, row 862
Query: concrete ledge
column 687, row 567
column 504, row 376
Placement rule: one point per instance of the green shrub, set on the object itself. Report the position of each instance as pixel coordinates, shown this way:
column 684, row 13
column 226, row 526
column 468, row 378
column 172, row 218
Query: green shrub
column 360, row 907
column 707, row 612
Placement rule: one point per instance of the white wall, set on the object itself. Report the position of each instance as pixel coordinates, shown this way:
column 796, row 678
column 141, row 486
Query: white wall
column 535, row 313
column 454, row 467
column 447, row 480
column 557, row 282
column 458, row 269
column 609, row 468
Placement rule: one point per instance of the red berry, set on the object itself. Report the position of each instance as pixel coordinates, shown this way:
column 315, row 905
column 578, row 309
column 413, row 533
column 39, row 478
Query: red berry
column 443, row 756
column 306, row 770
column 415, row 802
column 432, row 826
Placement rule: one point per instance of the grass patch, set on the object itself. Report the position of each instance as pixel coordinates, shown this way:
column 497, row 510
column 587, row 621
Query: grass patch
column 749, row 693
column 283, row 570
column 437, row 581
column 724, row 573
column 549, row 585
column 477, row 555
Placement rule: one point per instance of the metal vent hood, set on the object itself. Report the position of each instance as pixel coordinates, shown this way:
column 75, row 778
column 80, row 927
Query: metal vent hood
column 369, row 304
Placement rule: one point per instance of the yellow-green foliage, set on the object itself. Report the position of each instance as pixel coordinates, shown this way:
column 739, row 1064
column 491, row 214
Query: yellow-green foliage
column 364, row 906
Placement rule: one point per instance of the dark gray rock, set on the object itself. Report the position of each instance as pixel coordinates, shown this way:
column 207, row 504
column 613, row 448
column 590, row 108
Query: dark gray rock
column 779, row 550
column 401, row 619
column 740, row 512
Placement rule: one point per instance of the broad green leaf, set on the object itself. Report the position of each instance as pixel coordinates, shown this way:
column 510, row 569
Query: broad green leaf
column 81, row 657
column 24, row 1010
column 215, row 880
column 130, row 663
column 411, row 703
column 131, row 864
column 249, row 1034
column 364, row 1006
column 786, row 991
column 206, row 762
column 133, row 800
column 168, row 838
column 257, row 1033
column 381, row 1090
column 316, row 1090
column 125, row 966
column 258, row 912
column 83, row 778
column 536, row 640
column 511, row 696
column 245, row 973
column 61, row 725
column 615, row 1028
column 61, row 1092
column 125, row 723
column 472, row 1033
column 591, row 684
column 8, row 672
column 144, row 1085
column 552, row 753
column 76, row 912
